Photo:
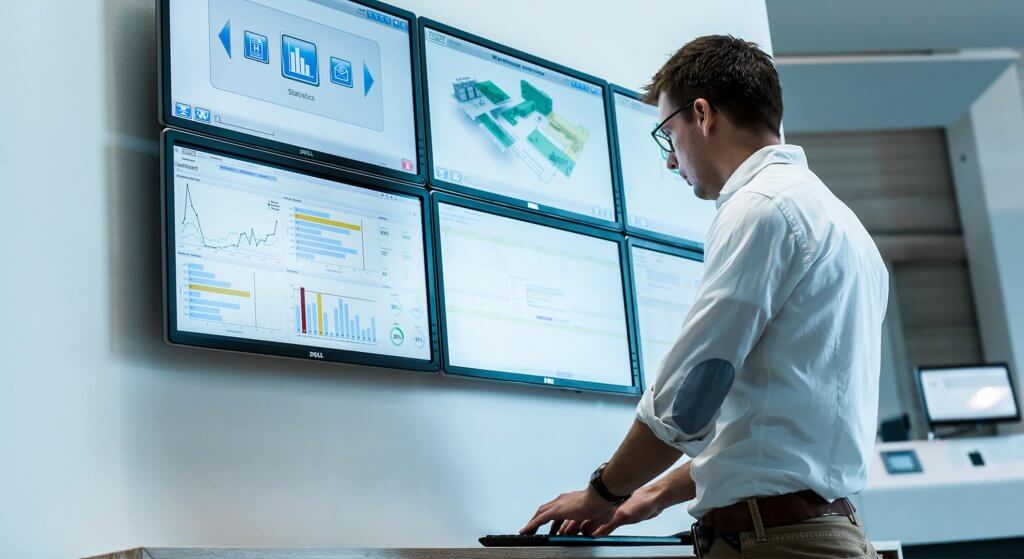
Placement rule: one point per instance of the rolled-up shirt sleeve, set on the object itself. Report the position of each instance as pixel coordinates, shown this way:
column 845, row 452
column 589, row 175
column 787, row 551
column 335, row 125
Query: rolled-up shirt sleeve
column 754, row 258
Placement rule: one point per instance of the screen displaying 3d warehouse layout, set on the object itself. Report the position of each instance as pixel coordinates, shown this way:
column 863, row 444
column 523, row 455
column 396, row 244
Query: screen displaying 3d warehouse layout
column 553, row 144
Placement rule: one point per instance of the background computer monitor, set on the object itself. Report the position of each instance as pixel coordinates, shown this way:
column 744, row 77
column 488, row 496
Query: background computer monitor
column 507, row 126
column 657, row 202
column 968, row 394
column 665, row 282
column 336, row 81
column 266, row 254
column 532, row 299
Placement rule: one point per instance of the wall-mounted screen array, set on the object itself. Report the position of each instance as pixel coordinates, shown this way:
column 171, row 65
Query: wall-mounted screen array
column 532, row 300
column 665, row 282
column 264, row 257
column 514, row 128
column 277, row 253
column 332, row 80
column 658, row 202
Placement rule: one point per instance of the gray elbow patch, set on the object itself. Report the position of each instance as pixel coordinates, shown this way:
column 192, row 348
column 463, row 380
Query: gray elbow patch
column 702, row 393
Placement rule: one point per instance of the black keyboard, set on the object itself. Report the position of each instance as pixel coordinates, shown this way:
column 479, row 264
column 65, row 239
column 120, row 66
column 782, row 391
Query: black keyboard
column 539, row 540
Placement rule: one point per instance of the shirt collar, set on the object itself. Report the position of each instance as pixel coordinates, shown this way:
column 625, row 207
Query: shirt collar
column 785, row 154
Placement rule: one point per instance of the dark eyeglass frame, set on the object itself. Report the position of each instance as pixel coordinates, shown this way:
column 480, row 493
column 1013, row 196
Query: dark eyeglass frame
column 661, row 136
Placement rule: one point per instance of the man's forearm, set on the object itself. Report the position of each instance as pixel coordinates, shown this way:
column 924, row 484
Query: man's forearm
column 676, row 487
column 640, row 458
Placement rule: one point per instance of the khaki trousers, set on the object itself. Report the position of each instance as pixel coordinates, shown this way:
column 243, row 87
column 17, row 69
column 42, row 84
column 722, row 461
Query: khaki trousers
column 829, row 536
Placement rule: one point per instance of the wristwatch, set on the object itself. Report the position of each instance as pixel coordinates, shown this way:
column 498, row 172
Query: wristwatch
column 598, row 484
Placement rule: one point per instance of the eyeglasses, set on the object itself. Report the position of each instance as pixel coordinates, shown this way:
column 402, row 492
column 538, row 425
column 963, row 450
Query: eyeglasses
column 661, row 137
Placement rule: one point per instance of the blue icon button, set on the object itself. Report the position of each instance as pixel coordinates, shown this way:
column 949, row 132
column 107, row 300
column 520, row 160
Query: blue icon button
column 341, row 72
column 256, row 47
column 182, row 110
column 202, row 115
column 298, row 60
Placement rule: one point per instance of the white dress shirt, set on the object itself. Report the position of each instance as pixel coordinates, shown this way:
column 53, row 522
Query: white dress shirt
column 789, row 316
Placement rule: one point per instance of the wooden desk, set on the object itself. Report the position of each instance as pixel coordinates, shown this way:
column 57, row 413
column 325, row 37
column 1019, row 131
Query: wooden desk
column 888, row 550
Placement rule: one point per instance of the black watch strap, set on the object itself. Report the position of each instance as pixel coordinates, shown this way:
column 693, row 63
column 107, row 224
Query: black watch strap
column 598, row 484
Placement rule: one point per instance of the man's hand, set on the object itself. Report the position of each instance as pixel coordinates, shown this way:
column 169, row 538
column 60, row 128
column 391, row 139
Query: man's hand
column 577, row 505
column 646, row 503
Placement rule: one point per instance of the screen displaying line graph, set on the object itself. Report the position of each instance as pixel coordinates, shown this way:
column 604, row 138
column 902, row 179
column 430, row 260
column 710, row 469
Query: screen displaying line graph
column 267, row 254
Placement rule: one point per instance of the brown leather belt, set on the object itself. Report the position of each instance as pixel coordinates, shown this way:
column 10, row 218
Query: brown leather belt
column 778, row 510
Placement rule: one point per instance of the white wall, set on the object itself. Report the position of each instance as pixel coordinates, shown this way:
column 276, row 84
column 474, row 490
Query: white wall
column 110, row 439
column 987, row 152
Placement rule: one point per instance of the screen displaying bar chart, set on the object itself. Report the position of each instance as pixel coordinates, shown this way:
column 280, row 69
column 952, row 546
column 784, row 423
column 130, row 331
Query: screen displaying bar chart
column 264, row 253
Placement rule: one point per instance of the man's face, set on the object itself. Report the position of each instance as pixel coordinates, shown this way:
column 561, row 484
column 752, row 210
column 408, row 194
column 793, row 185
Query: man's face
column 687, row 144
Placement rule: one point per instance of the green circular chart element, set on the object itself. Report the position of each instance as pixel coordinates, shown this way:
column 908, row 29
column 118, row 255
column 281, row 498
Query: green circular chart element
column 397, row 336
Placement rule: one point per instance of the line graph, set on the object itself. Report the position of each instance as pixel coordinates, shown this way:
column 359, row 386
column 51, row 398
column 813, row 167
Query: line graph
column 258, row 237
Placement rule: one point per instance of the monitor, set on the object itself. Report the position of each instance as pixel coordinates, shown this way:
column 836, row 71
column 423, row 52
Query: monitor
column 657, row 202
column 506, row 126
column 331, row 80
column 267, row 254
column 968, row 394
column 665, row 282
column 532, row 299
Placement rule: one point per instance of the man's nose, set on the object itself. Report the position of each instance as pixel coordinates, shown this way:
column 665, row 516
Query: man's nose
column 672, row 163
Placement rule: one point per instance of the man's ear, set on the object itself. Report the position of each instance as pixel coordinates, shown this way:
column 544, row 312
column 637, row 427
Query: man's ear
column 705, row 117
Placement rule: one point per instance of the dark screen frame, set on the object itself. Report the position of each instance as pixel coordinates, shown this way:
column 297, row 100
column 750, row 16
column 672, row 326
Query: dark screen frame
column 518, row 203
column 447, row 368
column 682, row 252
column 633, row 229
column 167, row 117
column 175, row 336
column 918, row 374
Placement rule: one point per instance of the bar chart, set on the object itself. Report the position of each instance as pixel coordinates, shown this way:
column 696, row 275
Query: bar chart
column 328, row 237
column 300, row 60
column 297, row 65
column 213, row 297
column 334, row 316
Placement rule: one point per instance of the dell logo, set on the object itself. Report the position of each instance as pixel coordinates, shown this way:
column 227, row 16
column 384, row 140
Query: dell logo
column 316, row 354
column 307, row 153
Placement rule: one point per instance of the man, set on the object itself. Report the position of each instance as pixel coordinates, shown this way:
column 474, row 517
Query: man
column 772, row 384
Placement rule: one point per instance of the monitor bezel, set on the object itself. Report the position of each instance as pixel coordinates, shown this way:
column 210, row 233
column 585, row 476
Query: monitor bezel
column 165, row 110
column 634, row 390
column 511, row 201
column 621, row 179
column 173, row 335
column 671, row 250
column 967, row 421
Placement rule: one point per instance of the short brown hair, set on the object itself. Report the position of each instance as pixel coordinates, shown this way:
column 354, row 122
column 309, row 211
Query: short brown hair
column 734, row 75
